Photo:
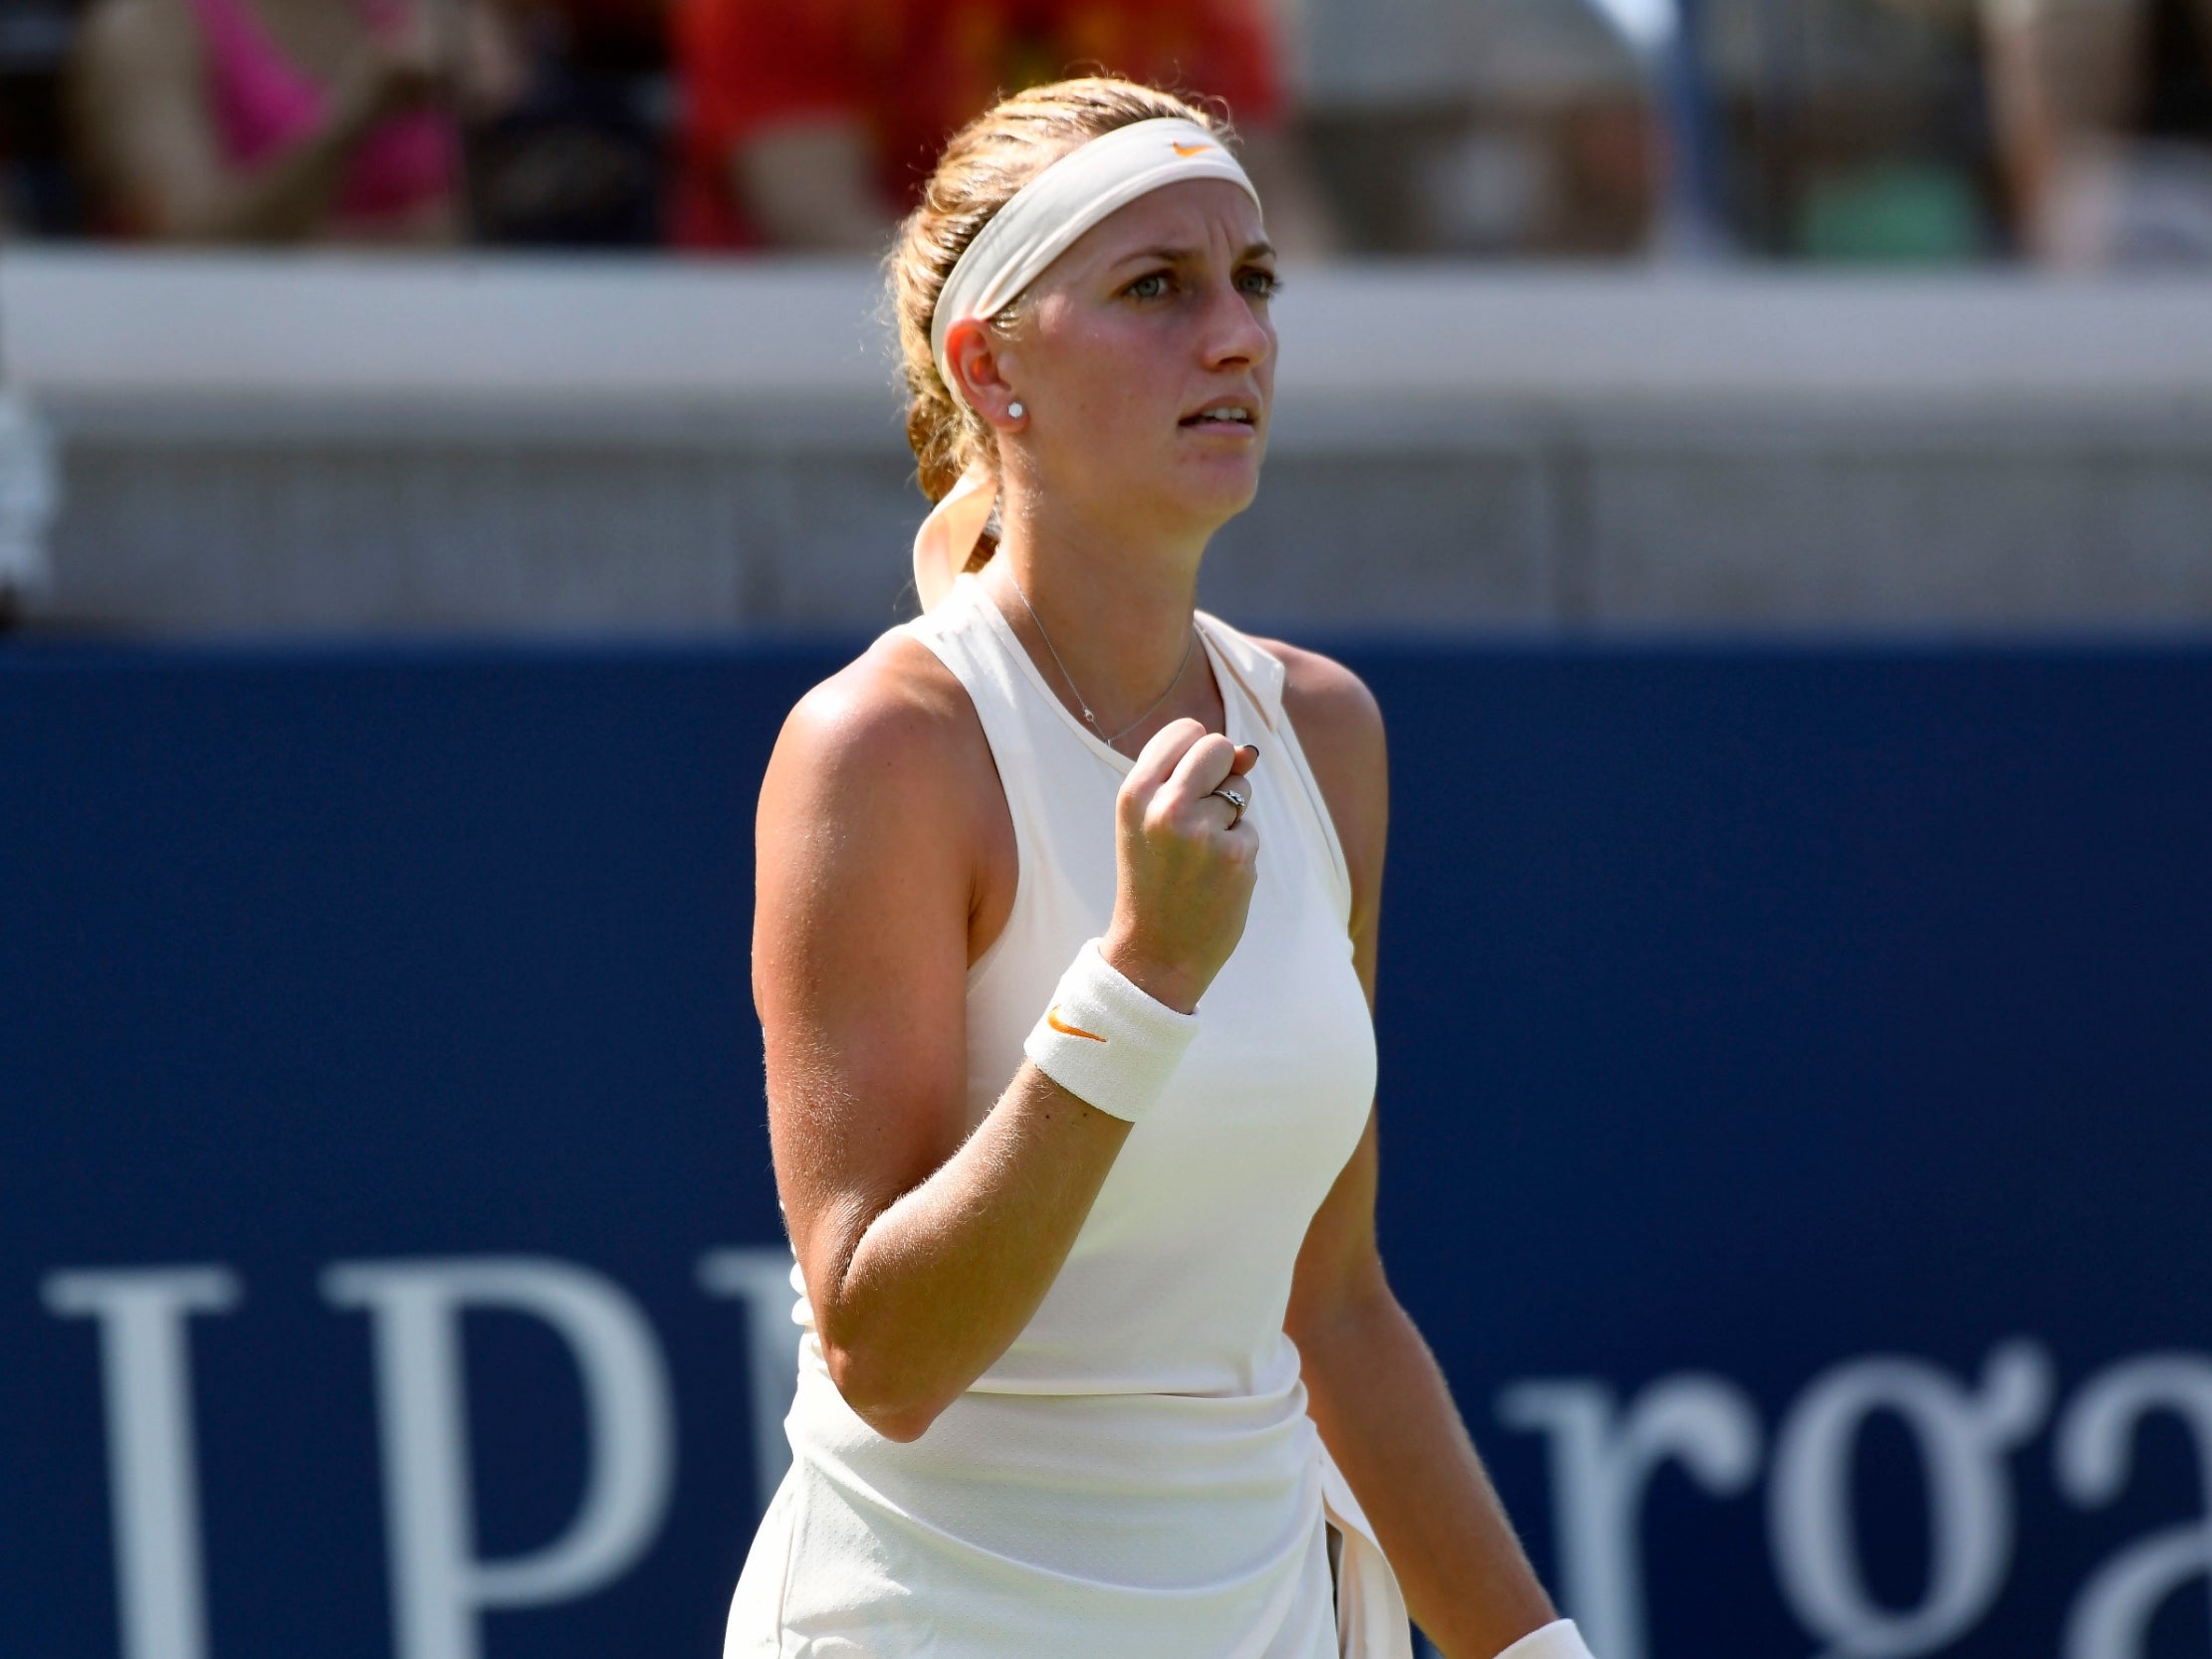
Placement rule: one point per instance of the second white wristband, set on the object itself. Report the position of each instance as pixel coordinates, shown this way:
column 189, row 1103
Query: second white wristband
column 1558, row 1640
column 1106, row 1042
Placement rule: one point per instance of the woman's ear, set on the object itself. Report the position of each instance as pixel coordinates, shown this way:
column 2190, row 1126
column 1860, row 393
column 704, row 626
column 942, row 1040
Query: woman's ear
column 975, row 356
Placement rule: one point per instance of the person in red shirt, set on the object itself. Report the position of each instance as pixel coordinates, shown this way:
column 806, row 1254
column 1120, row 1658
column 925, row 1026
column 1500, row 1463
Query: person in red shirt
column 813, row 123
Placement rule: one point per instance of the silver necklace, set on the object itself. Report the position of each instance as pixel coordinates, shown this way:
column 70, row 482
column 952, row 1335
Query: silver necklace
column 1090, row 718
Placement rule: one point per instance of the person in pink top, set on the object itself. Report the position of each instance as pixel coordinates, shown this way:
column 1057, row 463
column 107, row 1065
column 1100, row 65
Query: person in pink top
column 283, row 120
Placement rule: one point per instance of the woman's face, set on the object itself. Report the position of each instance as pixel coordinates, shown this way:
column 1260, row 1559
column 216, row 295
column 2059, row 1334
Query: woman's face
column 1145, row 359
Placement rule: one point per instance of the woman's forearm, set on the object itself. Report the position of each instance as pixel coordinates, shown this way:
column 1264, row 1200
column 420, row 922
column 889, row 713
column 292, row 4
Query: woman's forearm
column 941, row 1282
column 1385, row 1414
column 289, row 197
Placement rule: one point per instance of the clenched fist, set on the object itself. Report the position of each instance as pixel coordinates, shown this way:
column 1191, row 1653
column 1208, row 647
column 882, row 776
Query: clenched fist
column 1186, row 860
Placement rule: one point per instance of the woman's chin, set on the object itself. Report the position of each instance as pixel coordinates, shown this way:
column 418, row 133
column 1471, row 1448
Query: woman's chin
column 1221, row 485
column 1193, row 498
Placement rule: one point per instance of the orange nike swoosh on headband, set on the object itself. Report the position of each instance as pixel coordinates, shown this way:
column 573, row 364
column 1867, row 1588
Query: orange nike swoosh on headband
column 1191, row 149
column 1052, row 1018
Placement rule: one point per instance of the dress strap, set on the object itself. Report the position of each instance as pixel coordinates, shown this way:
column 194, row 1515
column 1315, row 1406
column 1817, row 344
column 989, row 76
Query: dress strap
column 960, row 635
column 1261, row 676
column 1371, row 1617
column 1258, row 672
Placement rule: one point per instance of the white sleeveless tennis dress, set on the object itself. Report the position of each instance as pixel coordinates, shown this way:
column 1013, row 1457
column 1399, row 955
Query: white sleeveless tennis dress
column 1137, row 1477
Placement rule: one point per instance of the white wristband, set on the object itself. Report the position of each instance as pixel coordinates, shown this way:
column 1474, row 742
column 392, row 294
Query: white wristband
column 1557, row 1640
column 1105, row 1041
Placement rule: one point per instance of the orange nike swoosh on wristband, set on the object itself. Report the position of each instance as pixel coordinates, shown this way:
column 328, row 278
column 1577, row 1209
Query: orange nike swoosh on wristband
column 1052, row 1018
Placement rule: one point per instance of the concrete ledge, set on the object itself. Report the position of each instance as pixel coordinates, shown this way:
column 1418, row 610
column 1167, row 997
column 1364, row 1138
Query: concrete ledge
column 345, row 328
column 330, row 444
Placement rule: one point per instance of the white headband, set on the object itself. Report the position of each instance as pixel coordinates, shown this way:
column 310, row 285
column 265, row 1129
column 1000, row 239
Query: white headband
column 1038, row 224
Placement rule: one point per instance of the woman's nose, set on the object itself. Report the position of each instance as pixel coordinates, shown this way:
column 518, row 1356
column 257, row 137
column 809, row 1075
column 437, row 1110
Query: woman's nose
column 1234, row 331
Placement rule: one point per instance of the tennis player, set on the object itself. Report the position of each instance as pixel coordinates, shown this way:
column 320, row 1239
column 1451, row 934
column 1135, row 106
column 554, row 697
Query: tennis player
column 1065, row 955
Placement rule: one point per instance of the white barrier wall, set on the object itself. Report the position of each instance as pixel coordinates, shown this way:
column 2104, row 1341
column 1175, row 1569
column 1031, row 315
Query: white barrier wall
column 320, row 443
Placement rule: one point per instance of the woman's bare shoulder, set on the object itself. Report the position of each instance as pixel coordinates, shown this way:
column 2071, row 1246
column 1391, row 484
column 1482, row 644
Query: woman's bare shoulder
column 1327, row 702
column 894, row 726
column 895, row 690
column 1340, row 728
column 882, row 801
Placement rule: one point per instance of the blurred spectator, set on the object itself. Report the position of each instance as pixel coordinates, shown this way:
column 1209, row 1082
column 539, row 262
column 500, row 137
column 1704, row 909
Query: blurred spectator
column 811, row 124
column 36, row 190
column 575, row 159
column 1852, row 131
column 286, row 120
column 2105, row 112
column 1482, row 126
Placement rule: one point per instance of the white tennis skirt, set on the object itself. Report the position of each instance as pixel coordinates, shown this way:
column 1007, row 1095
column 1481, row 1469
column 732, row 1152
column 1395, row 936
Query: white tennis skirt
column 1082, row 1527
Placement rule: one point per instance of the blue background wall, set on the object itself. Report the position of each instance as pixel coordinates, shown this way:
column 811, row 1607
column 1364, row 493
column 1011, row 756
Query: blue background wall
column 1744, row 1017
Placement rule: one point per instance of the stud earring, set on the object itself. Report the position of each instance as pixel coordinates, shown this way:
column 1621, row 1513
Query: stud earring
column 1014, row 411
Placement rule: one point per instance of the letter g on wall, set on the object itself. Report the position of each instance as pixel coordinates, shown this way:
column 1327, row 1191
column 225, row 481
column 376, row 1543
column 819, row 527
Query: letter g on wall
column 1963, row 1437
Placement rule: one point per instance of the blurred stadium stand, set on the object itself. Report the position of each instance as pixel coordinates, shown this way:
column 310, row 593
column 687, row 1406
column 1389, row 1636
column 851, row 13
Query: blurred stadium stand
column 1835, row 1014
column 324, row 444
column 1619, row 380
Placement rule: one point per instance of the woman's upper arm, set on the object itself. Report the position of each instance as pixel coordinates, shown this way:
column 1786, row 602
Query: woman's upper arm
column 1340, row 728
column 865, row 883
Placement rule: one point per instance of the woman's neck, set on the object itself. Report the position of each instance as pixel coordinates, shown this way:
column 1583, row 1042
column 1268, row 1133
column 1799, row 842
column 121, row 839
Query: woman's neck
column 1113, row 616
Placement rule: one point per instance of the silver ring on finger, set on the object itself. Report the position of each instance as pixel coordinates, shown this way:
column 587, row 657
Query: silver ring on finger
column 1239, row 803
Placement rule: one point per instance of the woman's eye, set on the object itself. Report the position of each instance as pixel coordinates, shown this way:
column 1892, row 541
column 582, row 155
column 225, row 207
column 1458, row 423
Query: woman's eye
column 1150, row 286
column 1264, row 284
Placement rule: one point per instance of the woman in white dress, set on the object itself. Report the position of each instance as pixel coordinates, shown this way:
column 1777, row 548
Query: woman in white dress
column 1065, row 955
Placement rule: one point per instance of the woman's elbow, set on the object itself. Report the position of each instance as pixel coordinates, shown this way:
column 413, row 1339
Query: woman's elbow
column 882, row 1393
